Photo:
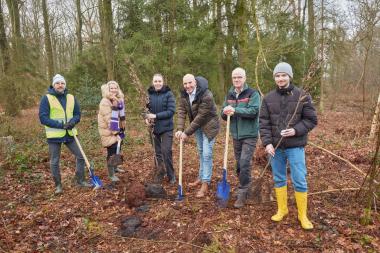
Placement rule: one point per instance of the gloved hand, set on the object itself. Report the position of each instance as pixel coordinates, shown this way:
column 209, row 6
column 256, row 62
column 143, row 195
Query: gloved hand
column 69, row 125
column 120, row 105
column 122, row 133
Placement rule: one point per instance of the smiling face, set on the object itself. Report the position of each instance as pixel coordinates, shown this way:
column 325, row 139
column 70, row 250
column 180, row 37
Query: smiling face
column 157, row 82
column 114, row 89
column 282, row 79
column 238, row 78
column 59, row 87
column 189, row 83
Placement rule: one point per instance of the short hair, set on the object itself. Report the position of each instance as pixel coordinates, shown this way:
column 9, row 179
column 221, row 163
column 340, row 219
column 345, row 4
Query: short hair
column 238, row 69
column 159, row 75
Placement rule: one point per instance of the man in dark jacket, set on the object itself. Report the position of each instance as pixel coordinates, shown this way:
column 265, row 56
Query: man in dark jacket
column 286, row 117
column 162, row 108
column 60, row 112
column 242, row 103
column 198, row 104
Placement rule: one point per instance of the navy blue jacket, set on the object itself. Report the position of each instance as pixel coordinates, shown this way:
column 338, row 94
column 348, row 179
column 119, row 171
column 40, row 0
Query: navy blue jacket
column 45, row 119
column 162, row 103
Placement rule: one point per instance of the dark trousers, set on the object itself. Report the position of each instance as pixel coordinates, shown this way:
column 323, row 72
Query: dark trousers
column 163, row 148
column 55, row 154
column 111, row 150
column 244, row 150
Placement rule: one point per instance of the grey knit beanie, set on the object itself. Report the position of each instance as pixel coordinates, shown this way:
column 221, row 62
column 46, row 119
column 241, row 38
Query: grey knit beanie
column 283, row 67
column 58, row 78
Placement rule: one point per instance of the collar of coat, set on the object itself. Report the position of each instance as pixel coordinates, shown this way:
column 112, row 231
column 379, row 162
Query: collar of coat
column 164, row 89
column 285, row 91
column 232, row 91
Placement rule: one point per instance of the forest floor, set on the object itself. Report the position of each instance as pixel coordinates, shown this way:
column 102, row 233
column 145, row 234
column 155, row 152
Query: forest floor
column 33, row 219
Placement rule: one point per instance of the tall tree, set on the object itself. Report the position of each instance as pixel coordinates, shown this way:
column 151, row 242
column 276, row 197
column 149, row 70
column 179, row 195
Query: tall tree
column 3, row 43
column 220, row 46
column 311, row 30
column 229, row 42
column 14, row 14
column 79, row 27
column 107, row 30
column 242, row 30
column 48, row 47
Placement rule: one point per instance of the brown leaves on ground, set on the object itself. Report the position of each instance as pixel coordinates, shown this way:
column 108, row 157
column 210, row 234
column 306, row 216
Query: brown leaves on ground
column 82, row 220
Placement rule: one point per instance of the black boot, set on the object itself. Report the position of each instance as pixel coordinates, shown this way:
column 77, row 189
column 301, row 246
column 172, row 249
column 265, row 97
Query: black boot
column 159, row 174
column 241, row 197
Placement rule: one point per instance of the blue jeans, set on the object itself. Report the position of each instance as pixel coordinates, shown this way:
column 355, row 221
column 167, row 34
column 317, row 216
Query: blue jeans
column 296, row 158
column 205, row 147
column 55, row 154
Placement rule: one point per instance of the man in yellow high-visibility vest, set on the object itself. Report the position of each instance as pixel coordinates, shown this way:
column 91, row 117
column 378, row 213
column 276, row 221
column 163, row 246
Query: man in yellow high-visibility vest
column 59, row 113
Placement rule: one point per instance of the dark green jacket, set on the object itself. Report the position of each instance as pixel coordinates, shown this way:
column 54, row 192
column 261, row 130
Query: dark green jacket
column 245, row 120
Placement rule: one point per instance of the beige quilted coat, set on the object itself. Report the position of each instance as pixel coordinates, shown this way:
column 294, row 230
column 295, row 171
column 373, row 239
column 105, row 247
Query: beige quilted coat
column 107, row 136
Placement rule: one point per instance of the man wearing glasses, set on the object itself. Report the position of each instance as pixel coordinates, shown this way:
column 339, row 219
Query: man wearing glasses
column 242, row 103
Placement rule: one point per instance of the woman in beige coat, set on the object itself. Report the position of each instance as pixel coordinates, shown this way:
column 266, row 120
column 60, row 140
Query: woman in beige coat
column 111, row 121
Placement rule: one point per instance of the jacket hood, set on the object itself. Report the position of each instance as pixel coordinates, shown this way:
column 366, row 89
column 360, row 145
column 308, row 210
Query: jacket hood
column 51, row 91
column 164, row 89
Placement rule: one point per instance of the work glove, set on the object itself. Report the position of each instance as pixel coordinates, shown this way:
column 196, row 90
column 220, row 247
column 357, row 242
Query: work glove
column 120, row 105
column 122, row 133
column 68, row 125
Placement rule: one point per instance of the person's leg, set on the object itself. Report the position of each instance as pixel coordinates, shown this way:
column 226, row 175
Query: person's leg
column 117, row 169
column 296, row 157
column 166, row 147
column 80, row 163
column 199, row 139
column 207, row 155
column 238, row 145
column 278, row 164
column 111, row 150
column 159, row 172
column 248, row 148
column 55, row 153
column 206, row 175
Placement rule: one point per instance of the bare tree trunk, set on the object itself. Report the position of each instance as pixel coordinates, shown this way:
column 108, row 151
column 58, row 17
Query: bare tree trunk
column 375, row 120
column 4, row 49
column 229, row 44
column 322, row 88
column 106, row 21
column 221, row 74
column 241, row 18
column 79, row 28
column 311, row 30
column 14, row 14
column 49, row 50
column 171, row 31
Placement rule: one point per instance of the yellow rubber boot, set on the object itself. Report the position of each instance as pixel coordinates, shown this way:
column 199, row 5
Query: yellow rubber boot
column 301, row 200
column 282, row 203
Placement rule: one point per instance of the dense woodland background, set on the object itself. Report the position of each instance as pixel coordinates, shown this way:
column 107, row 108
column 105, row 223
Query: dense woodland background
column 332, row 45
column 334, row 48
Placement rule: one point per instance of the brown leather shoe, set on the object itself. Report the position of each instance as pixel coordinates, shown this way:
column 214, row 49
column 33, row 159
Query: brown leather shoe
column 202, row 192
column 195, row 183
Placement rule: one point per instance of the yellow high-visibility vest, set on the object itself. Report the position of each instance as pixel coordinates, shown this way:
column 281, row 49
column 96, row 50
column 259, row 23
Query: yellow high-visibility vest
column 57, row 112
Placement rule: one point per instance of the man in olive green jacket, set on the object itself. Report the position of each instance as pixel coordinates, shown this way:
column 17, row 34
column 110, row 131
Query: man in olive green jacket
column 242, row 104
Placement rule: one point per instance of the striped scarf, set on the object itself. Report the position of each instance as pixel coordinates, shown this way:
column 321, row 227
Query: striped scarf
column 118, row 113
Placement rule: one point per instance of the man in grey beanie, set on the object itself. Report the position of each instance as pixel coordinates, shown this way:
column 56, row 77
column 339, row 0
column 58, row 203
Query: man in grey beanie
column 286, row 116
column 59, row 113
